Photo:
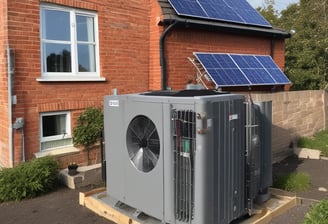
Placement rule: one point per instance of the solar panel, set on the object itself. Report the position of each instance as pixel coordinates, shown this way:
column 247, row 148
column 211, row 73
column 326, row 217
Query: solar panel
column 237, row 11
column 247, row 12
column 189, row 7
column 241, row 69
column 273, row 69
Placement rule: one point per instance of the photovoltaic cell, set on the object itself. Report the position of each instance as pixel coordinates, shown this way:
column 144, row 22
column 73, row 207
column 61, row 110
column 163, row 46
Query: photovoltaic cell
column 267, row 61
column 220, row 10
column 241, row 69
column 246, row 61
column 278, row 75
column 237, row 11
column 191, row 7
column 258, row 76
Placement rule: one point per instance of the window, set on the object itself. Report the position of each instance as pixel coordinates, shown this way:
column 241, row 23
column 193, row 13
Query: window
column 69, row 44
column 55, row 130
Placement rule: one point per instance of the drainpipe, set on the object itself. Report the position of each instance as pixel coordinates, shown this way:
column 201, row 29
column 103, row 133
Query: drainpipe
column 10, row 115
column 162, row 55
column 272, row 47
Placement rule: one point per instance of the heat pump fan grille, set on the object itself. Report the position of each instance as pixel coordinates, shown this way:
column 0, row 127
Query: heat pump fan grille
column 143, row 143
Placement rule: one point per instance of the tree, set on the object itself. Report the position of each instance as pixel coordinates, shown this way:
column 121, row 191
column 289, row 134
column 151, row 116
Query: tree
column 307, row 50
column 270, row 14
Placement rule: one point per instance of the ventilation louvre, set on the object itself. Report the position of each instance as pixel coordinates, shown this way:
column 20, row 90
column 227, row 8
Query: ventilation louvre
column 184, row 123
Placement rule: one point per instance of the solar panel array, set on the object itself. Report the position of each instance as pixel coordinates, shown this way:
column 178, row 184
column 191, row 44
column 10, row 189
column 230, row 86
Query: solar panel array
column 237, row 11
column 241, row 69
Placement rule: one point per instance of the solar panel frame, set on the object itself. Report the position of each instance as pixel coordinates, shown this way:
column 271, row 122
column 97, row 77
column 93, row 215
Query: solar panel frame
column 241, row 69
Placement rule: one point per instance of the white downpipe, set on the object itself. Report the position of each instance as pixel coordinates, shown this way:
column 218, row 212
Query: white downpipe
column 10, row 115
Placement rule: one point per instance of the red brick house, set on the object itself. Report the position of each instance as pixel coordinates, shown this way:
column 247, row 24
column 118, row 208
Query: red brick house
column 48, row 77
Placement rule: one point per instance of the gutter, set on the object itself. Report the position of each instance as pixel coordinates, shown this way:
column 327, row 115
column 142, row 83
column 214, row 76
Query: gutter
column 228, row 27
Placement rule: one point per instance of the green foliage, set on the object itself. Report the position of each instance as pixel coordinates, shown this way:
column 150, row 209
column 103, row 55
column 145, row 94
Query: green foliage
column 89, row 127
column 307, row 50
column 292, row 182
column 319, row 141
column 270, row 14
column 318, row 213
column 28, row 179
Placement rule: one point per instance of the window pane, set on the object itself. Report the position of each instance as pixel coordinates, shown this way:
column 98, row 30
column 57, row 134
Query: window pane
column 58, row 57
column 85, row 29
column 54, row 125
column 55, row 25
column 86, row 58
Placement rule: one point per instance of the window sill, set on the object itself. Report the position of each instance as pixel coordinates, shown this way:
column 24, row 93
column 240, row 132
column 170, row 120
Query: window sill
column 57, row 152
column 71, row 79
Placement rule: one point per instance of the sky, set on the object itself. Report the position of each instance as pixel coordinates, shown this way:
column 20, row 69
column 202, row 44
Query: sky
column 279, row 4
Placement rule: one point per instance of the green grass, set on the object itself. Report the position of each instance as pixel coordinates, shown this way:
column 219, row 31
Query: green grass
column 296, row 181
column 319, row 141
column 318, row 213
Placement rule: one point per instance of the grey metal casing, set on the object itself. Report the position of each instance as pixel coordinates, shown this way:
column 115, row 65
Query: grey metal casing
column 219, row 157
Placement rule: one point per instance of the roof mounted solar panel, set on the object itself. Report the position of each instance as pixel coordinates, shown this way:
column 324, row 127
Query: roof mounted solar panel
column 236, row 11
column 189, row 7
column 241, row 69
column 247, row 12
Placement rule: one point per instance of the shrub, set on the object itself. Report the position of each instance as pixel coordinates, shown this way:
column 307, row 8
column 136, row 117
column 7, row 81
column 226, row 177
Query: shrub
column 28, row 179
column 318, row 213
column 89, row 127
column 292, row 182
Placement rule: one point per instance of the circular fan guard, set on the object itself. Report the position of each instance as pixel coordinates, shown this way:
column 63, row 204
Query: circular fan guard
column 143, row 143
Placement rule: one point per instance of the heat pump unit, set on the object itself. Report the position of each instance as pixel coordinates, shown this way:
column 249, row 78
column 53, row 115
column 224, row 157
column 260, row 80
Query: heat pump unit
column 182, row 157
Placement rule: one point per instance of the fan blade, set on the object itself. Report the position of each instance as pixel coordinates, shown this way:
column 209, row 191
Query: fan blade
column 138, row 159
column 135, row 133
column 143, row 143
column 150, row 157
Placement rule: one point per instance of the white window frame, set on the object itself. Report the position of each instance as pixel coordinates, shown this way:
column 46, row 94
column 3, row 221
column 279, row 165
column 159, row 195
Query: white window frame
column 67, row 134
column 74, row 75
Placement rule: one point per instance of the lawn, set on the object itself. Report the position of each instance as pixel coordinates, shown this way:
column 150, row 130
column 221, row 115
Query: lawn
column 318, row 141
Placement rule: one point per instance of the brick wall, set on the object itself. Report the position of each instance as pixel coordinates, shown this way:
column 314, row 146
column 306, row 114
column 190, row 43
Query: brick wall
column 124, row 62
column 181, row 44
column 295, row 114
column 154, row 48
column 4, row 150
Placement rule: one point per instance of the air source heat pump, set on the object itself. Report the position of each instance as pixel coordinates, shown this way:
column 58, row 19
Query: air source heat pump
column 183, row 157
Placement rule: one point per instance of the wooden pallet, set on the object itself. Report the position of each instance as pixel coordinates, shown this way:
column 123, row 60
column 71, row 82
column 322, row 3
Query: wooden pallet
column 93, row 201
column 279, row 203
